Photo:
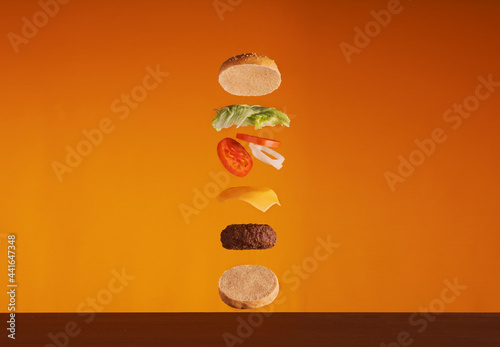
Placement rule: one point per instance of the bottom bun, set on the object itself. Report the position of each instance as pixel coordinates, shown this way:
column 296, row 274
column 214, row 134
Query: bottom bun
column 248, row 286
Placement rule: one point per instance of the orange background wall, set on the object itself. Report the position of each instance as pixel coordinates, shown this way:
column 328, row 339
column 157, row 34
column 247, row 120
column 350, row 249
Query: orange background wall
column 120, row 207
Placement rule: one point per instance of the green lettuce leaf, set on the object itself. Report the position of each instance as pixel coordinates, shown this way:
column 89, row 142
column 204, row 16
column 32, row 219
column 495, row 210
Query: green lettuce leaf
column 243, row 115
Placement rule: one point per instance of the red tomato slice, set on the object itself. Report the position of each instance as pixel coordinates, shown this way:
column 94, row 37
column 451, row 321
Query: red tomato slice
column 259, row 140
column 234, row 157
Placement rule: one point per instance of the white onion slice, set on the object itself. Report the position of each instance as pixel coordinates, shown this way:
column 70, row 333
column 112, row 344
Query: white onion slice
column 258, row 152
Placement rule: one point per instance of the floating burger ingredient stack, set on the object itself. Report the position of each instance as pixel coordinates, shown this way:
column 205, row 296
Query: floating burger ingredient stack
column 250, row 74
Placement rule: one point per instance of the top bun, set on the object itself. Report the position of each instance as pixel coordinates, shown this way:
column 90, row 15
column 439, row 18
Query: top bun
column 249, row 74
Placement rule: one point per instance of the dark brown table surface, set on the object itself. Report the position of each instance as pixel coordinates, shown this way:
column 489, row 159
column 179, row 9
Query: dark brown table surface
column 247, row 329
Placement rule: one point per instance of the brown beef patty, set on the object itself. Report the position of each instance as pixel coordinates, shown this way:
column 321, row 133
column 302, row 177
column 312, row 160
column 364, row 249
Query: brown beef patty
column 248, row 236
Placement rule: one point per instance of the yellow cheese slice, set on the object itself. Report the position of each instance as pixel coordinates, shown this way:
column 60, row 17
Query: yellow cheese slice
column 259, row 197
